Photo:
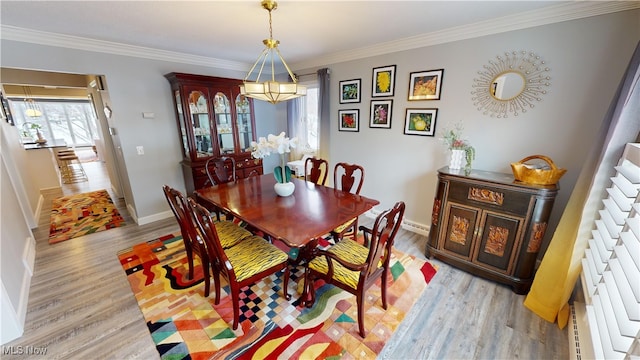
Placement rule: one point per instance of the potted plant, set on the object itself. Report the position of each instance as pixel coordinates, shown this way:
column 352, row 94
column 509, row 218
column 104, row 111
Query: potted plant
column 282, row 145
column 27, row 132
column 460, row 148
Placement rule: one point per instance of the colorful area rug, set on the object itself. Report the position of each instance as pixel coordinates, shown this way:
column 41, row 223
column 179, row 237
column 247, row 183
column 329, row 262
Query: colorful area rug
column 186, row 325
column 82, row 214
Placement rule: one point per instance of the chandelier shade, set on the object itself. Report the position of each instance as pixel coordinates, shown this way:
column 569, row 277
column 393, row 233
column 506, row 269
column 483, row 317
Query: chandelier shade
column 271, row 90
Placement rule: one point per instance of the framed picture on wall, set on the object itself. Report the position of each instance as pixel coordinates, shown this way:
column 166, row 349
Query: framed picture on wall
column 349, row 120
column 420, row 122
column 384, row 79
column 381, row 114
column 350, row 91
column 425, row 85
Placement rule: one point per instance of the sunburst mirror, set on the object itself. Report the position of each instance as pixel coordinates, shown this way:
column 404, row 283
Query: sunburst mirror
column 510, row 84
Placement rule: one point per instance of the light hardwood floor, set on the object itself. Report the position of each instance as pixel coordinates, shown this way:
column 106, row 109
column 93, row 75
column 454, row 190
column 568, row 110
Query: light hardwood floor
column 81, row 305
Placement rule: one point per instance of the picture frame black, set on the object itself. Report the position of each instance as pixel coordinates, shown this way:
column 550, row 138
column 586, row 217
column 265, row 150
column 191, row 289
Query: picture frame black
column 425, row 85
column 420, row 122
column 381, row 111
column 383, row 81
column 349, row 120
column 350, row 91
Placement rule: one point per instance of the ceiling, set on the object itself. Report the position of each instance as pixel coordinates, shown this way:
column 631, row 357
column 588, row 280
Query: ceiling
column 231, row 32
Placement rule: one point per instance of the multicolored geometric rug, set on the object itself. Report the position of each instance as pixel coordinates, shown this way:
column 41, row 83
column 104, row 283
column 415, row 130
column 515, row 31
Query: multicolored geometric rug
column 81, row 214
column 186, row 325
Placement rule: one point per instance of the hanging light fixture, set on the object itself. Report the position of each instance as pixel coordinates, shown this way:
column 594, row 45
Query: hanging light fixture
column 271, row 90
column 32, row 108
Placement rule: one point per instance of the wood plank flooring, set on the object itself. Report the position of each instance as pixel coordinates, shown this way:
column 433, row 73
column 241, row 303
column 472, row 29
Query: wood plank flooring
column 81, row 305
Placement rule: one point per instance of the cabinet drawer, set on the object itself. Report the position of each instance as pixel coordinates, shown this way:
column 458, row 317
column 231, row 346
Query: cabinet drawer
column 490, row 197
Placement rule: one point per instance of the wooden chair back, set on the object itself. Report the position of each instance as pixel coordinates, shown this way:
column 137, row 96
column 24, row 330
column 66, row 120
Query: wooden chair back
column 348, row 177
column 382, row 237
column 316, row 170
column 221, row 170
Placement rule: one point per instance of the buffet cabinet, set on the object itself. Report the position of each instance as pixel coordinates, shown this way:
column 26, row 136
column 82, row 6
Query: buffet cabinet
column 214, row 120
column 490, row 225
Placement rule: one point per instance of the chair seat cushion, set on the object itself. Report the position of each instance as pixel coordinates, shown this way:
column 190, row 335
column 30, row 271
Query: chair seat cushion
column 231, row 234
column 347, row 250
column 344, row 226
column 254, row 255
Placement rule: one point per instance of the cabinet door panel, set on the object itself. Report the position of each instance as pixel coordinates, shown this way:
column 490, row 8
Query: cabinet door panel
column 224, row 125
column 497, row 244
column 199, row 109
column 459, row 233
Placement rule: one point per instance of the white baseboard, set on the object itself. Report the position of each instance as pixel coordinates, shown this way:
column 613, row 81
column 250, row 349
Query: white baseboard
column 155, row 217
column 408, row 225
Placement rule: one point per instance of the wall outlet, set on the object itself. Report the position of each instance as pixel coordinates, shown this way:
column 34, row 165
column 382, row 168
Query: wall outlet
column 140, row 150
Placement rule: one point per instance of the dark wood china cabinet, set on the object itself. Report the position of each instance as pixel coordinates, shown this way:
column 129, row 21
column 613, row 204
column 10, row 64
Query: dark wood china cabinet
column 214, row 120
column 490, row 225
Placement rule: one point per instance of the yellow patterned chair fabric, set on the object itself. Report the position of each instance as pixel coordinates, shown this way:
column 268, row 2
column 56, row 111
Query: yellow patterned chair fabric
column 254, row 255
column 243, row 264
column 349, row 251
column 231, row 234
column 354, row 267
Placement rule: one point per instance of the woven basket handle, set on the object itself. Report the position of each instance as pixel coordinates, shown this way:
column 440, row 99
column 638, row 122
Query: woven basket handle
column 542, row 157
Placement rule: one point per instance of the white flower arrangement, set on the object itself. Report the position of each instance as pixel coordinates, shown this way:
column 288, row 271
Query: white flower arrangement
column 272, row 144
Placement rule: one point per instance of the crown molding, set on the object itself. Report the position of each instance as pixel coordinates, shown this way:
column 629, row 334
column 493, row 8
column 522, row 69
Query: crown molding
column 529, row 19
column 548, row 15
column 80, row 43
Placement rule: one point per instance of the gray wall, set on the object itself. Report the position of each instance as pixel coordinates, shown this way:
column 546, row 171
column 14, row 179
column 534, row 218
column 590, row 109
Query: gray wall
column 587, row 58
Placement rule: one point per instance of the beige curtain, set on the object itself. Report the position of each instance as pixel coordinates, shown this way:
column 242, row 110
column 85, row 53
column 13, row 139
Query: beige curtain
column 555, row 279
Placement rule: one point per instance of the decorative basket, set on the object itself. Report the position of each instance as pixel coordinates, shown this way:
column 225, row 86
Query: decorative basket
column 527, row 174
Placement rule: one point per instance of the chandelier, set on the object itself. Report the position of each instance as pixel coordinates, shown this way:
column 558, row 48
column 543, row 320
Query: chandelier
column 32, row 109
column 271, row 90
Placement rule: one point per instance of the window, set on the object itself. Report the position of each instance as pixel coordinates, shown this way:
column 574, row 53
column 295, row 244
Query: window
column 74, row 121
column 309, row 110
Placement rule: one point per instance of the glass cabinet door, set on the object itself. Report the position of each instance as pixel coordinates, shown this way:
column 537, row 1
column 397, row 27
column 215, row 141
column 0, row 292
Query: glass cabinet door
column 199, row 108
column 245, row 132
column 183, row 129
column 224, row 125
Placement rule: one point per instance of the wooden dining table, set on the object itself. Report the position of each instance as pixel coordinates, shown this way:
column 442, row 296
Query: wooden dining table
column 298, row 220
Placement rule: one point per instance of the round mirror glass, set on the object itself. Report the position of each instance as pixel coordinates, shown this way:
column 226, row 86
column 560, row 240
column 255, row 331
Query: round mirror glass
column 507, row 86
column 510, row 84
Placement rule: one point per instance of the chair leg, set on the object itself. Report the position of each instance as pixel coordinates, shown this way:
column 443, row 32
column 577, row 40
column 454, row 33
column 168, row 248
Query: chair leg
column 309, row 295
column 355, row 230
column 360, row 301
column 285, row 286
column 190, row 260
column 235, row 299
column 216, row 282
column 207, row 278
column 384, row 288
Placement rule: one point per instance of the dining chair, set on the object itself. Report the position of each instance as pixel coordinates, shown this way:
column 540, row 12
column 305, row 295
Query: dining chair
column 229, row 233
column 192, row 242
column 316, row 170
column 349, row 178
column 354, row 267
column 243, row 264
column 220, row 171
